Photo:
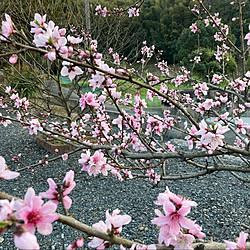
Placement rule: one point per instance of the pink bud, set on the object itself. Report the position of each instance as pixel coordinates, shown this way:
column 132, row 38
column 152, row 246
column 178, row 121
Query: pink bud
column 13, row 59
column 65, row 157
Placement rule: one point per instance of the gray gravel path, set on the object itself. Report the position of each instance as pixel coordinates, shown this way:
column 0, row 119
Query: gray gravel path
column 223, row 201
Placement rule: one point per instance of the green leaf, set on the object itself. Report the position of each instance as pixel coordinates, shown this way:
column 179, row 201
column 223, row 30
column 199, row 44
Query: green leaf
column 5, row 223
column 50, row 41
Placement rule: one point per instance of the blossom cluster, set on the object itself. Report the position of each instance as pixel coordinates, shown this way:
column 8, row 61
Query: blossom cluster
column 175, row 228
column 26, row 216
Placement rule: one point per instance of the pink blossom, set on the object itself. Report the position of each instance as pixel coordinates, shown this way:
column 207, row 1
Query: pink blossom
column 97, row 242
column 24, row 239
column 75, row 244
column 53, row 194
column 118, row 122
column 5, row 173
column 35, row 214
column 247, row 37
column 6, row 209
column 154, row 125
column 70, row 71
column 122, row 72
column 25, row 102
column 183, row 241
column 191, row 137
column 7, row 28
column 170, row 147
column 211, row 136
column 174, row 218
column 4, row 122
column 13, row 59
column 84, row 161
column 113, row 223
column 65, row 157
column 196, row 231
column 133, row 12
column 116, row 58
column 34, row 127
column 8, row 90
column 241, row 127
column 240, row 143
column 74, row 40
column 216, row 78
column 14, row 96
column 96, row 81
column 51, row 55
column 100, row 11
column 224, row 116
column 206, row 21
column 194, row 28
column 104, row 12
column 241, row 242
column 38, row 24
column 95, row 164
column 89, row 99
column 175, row 208
column 165, row 235
column 177, row 199
column 117, row 221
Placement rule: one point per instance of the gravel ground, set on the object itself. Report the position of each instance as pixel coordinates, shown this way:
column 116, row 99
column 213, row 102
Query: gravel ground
column 223, row 201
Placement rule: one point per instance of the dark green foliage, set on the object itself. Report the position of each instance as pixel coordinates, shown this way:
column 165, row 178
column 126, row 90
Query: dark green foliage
column 248, row 63
column 207, row 65
column 231, row 65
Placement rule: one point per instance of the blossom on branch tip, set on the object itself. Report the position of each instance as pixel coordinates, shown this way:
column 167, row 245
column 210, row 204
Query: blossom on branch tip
column 133, row 12
column 53, row 192
column 172, row 223
column 241, row 127
column 7, row 28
